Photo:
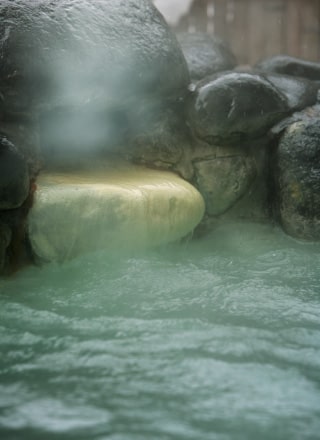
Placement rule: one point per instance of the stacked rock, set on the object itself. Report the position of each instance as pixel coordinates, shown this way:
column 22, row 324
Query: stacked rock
column 237, row 121
column 78, row 81
column 83, row 80
column 260, row 127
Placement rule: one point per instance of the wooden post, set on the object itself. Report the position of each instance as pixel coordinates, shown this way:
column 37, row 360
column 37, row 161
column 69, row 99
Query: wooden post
column 310, row 30
column 239, row 31
column 293, row 31
column 220, row 19
column 260, row 28
column 199, row 16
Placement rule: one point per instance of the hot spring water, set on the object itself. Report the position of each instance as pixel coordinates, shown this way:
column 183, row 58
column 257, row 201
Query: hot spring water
column 211, row 339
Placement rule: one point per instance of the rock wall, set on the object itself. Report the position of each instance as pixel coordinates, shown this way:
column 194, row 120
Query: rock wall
column 251, row 140
column 247, row 139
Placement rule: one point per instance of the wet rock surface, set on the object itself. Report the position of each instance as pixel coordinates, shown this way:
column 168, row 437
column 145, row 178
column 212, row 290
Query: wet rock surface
column 290, row 66
column 297, row 178
column 223, row 181
column 84, row 69
column 234, row 107
column 5, row 238
column 300, row 92
column 73, row 78
column 205, row 54
column 14, row 176
column 113, row 81
column 69, row 53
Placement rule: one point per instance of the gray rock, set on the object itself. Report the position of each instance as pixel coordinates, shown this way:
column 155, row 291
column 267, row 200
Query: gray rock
column 24, row 135
column 161, row 141
column 234, row 107
column 304, row 115
column 84, row 67
column 75, row 52
column 205, row 54
column 223, row 181
column 5, row 237
column 300, row 92
column 290, row 66
column 14, row 176
column 297, row 179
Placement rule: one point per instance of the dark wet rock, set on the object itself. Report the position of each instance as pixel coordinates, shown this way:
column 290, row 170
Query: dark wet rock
column 222, row 181
column 205, row 54
column 5, row 237
column 304, row 115
column 233, row 107
column 160, row 139
column 291, row 66
column 300, row 92
column 24, row 135
column 14, row 176
column 297, row 179
column 83, row 69
column 160, row 142
column 79, row 52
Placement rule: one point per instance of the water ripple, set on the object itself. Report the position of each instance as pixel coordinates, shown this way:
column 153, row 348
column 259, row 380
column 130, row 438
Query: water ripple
column 212, row 340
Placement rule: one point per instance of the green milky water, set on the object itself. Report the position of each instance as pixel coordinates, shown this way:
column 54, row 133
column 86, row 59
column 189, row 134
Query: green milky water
column 212, row 339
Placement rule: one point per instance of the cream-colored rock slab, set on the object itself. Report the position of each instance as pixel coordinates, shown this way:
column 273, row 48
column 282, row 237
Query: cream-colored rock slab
column 118, row 208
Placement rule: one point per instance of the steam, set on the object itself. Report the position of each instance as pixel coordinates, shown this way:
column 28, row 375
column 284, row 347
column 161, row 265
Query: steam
column 86, row 88
column 88, row 107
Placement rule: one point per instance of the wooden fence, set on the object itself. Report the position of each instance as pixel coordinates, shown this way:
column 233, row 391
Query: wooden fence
column 256, row 29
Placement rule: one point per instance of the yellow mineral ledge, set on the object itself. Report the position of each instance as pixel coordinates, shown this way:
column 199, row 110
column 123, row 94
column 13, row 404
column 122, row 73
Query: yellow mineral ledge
column 118, row 207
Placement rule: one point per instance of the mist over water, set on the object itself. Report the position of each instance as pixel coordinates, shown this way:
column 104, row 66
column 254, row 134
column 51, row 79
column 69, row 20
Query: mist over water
column 210, row 339
column 90, row 76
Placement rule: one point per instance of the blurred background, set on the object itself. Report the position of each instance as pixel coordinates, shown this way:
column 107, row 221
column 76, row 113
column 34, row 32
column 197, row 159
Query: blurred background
column 254, row 29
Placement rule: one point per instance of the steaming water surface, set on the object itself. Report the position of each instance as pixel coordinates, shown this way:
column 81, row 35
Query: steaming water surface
column 215, row 339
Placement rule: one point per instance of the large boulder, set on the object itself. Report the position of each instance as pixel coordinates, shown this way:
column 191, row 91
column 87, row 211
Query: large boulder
column 235, row 106
column 297, row 178
column 84, row 68
column 232, row 107
column 205, row 54
column 73, row 53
